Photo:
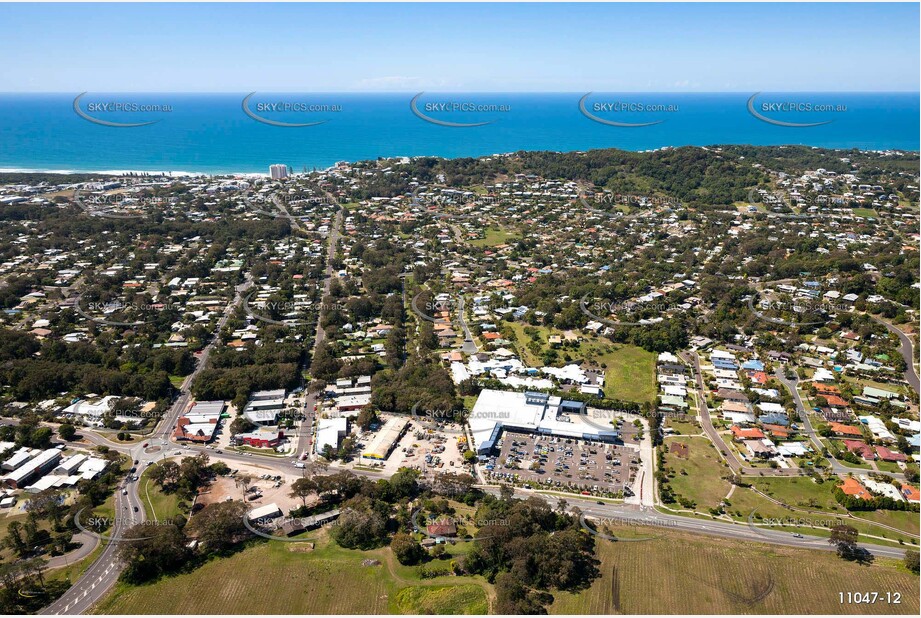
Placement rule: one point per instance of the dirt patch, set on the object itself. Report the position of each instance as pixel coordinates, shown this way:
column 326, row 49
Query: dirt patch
column 300, row 548
column 679, row 449
column 268, row 491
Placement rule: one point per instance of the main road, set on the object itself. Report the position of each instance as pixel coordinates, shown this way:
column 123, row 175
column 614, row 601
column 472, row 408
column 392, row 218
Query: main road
column 129, row 508
column 305, row 431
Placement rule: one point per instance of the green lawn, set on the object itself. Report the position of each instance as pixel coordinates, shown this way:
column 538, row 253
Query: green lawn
column 864, row 212
column 159, row 506
column 698, row 477
column 630, row 373
column 494, row 236
column 469, row 599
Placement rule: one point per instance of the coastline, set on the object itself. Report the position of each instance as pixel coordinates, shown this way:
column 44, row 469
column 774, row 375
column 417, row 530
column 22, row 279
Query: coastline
column 251, row 174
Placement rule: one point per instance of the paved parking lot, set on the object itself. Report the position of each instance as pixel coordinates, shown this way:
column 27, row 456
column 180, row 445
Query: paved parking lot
column 564, row 463
column 427, row 447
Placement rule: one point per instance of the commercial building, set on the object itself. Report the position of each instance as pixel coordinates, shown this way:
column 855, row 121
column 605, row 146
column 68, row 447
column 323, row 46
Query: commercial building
column 269, row 511
column 32, row 469
column 261, row 437
column 530, row 412
column 330, row 432
column 200, row 423
column 388, row 436
column 264, row 407
column 18, row 458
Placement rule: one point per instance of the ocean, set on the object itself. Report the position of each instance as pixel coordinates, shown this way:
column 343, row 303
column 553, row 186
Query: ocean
column 217, row 133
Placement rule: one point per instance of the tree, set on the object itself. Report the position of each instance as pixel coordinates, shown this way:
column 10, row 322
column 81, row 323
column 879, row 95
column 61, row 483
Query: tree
column 514, row 597
column 844, row 538
column 219, row 526
column 15, row 538
column 302, row 489
column 67, row 432
column 151, row 551
column 361, row 525
column 240, row 425
column 367, row 417
column 406, row 549
column 911, row 561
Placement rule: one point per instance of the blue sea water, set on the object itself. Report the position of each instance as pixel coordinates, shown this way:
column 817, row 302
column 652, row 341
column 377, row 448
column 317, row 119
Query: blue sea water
column 212, row 133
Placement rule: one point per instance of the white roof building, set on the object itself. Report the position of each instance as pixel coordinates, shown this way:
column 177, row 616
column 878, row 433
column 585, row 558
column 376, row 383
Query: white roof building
column 532, row 412
column 329, row 432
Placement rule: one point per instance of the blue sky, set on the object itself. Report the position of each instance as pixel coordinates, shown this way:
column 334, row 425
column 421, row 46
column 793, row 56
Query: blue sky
column 459, row 47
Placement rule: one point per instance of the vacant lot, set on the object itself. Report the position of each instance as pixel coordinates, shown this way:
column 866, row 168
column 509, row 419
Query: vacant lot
column 684, row 574
column 699, row 476
column 630, row 373
column 494, row 236
column 285, row 578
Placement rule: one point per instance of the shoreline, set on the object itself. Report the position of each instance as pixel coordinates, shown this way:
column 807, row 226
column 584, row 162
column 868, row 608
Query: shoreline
column 249, row 174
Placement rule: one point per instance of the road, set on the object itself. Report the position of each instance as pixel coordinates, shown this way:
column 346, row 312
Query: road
column 658, row 522
column 305, row 431
column 470, row 346
column 169, row 420
column 836, row 466
column 707, row 423
column 103, row 573
column 129, row 508
column 908, row 353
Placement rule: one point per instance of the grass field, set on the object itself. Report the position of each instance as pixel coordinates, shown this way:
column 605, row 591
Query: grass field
column 493, row 236
column 702, row 482
column 630, row 374
column 684, row 574
column 629, row 370
column 814, row 504
column 286, row 578
column 469, row 599
column 158, row 504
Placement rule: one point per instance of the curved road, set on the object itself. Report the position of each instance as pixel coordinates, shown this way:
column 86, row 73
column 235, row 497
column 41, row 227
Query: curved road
column 908, row 353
